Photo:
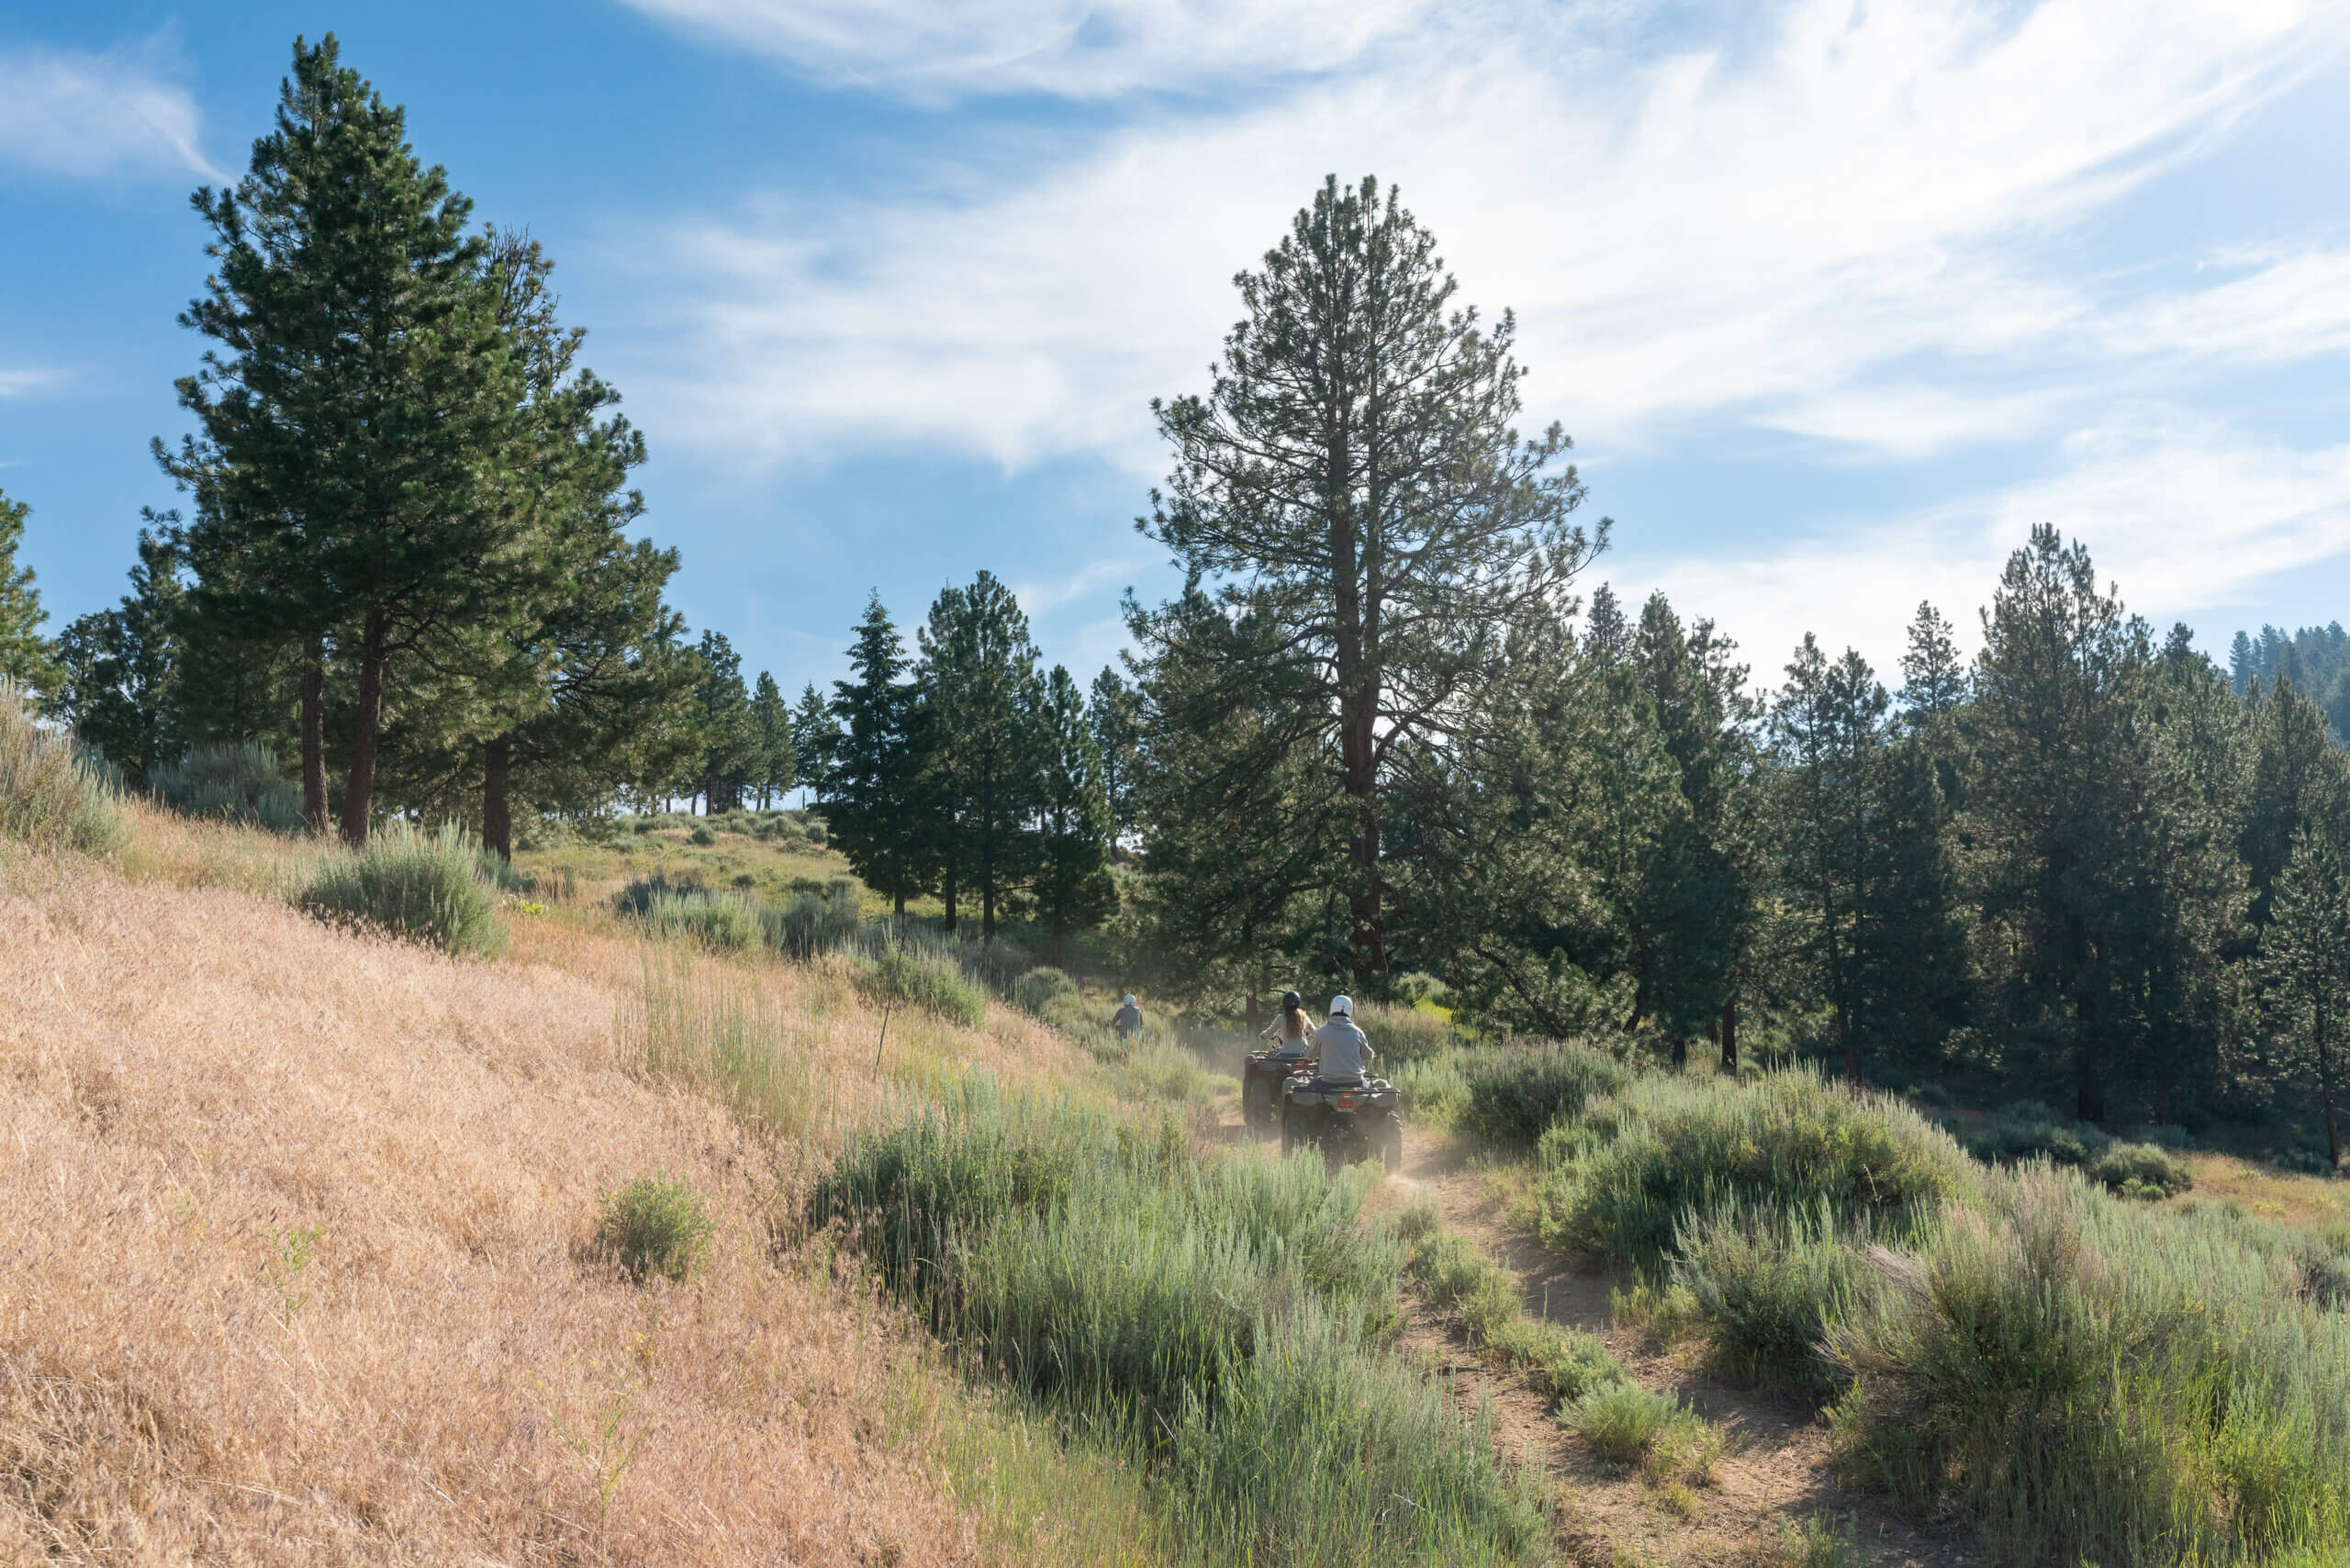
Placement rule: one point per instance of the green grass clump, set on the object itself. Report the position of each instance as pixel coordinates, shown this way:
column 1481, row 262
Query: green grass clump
column 654, row 1226
column 925, row 976
column 1632, row 1426
column 1402, row 1034
column 722, row 922
column 231, row 781
column 428, row 888
column 1819, row 1541
column 1516, row 1092
column 1765, row 1286
column 1223, row 1321
column 1454, row 1276
column 2087, row 1379
column 52, row 794
column 1623, row 1178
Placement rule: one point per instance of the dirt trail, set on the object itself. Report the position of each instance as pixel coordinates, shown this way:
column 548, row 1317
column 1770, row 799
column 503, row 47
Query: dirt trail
column 1775, row 1464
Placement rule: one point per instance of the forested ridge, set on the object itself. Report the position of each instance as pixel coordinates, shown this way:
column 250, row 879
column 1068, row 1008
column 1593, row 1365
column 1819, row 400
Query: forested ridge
column 1395, row 734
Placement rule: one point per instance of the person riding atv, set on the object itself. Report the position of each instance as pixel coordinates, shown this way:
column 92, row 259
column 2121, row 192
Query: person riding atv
column 1262, row 1074
column 1337, row 1108
column 1128, row 1021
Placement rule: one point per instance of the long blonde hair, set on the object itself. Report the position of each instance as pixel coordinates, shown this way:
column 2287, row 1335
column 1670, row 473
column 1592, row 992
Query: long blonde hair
column 1295, row 1025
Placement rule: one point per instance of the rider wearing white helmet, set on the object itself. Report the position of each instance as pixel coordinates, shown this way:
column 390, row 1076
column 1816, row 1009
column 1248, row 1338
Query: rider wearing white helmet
column 1129, row 1023
column 1338, row 1046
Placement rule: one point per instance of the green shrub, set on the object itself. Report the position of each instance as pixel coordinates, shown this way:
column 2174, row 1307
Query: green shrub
column 1820, row 1542
column 1630, row 1426
column 2088, row 1379
column 428, row 888
column 815, row 923
column 1621, row 1179
column 52, row 794
column 1224, row 1319
column 2140, row 1171
column 2030, row 1130
column 654, row 1226
column 703, row 835
column 724, row 922
column 1404, row 1033
column 233, row 781
column 1515, row 1092
column 926, row 977
column 1766, row 1285
column 1038, row 990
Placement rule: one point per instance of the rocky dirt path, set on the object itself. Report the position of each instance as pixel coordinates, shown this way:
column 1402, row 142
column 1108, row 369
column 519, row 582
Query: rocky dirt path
column 1775, row 1465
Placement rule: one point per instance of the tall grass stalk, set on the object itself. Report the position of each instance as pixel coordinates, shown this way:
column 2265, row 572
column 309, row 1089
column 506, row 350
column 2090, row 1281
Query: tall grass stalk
column 708, row 1025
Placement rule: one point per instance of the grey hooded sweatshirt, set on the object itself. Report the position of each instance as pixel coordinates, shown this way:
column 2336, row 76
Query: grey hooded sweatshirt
column 1342, row 1049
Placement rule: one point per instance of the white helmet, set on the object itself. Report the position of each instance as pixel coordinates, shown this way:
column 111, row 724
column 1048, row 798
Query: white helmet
column 1130, row 999
column 1342, row 1007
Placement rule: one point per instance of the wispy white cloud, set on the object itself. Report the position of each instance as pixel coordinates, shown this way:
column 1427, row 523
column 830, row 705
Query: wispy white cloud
column 1082, row 48
column 2290, row 307
column 82, row 114
column 2186, row 514
column 19, row 381
column 1685, row 234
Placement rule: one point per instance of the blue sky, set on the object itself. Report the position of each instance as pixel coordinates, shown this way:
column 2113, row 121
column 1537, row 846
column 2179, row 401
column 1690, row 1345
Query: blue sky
column 1836, row 298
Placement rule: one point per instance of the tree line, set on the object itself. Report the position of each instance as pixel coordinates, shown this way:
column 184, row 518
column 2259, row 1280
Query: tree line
column 1382, row 734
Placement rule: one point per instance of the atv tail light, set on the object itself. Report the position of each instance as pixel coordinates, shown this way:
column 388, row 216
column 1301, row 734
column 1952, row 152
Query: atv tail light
column 1345, row 1102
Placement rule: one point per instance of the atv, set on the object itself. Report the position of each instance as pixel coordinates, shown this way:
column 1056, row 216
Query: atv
column 1262, row 1077
column 1348, row 1122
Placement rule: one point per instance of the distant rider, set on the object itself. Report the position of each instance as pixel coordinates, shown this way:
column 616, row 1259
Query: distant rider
column 1129, row 1023
column 1338, row 1048
column 1292, row 1027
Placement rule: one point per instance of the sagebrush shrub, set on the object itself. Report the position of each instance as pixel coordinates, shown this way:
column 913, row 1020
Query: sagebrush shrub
column 238, row 781
column 1038, row 990
column 428, row 888
column 1515, row 1093
column 1766, row 1284
column 52, row 794
column 654, row 1226
column 1621, row 1179
column 927, row 978
column 815, row 922
column 2090, row 1379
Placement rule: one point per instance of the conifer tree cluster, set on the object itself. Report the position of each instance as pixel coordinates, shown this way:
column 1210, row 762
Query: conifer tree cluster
column 965, row 770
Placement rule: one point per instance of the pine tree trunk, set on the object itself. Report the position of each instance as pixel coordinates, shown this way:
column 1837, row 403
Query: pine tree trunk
column 947, row 893
column 1729, row 1037
column 987, row 910
column 496, row 815
column 314, row 737
column 366, row 730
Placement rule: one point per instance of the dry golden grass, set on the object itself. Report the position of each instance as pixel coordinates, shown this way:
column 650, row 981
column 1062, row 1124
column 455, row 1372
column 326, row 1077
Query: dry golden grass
column 2312, row 1203
column 297, row 1228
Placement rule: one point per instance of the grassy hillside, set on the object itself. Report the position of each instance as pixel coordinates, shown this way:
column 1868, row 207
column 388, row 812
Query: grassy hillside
column 306, row 1265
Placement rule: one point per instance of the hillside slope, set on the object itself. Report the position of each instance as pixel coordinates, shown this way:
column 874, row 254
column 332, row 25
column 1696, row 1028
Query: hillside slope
column 297, row 1233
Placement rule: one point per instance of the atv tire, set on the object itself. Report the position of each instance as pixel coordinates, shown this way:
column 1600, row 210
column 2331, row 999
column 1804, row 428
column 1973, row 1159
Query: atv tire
column 1292, row 1128
column 1390, row 1142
